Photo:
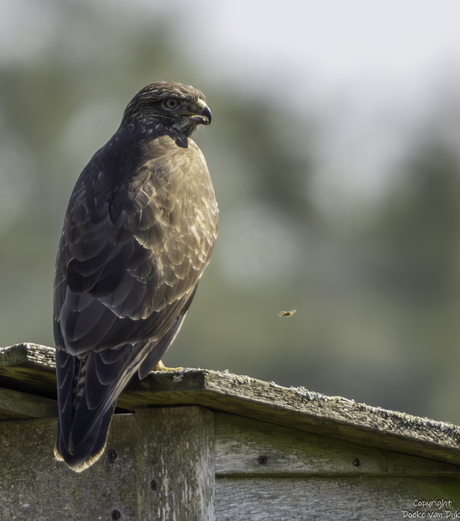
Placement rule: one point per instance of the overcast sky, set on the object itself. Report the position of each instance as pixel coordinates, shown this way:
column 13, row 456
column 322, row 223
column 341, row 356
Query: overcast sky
column 330, row 44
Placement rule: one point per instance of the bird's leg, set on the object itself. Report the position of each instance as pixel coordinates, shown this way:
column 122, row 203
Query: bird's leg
column 161, row 367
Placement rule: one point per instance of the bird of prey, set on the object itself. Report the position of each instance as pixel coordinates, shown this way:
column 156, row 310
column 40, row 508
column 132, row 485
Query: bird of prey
column 138, row 233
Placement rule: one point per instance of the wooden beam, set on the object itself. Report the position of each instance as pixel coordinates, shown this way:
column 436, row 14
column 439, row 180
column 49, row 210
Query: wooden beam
column 251, row 448
column 29, row 368
column 159, row 464
column 332, row 499
column 14, row 404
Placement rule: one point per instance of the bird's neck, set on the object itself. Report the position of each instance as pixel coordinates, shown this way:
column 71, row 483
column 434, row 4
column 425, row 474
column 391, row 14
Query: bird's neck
column 124, row 152
column 144, row 129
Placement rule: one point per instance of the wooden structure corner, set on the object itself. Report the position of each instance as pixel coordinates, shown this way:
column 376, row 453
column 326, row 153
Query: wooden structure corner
column 202, row 445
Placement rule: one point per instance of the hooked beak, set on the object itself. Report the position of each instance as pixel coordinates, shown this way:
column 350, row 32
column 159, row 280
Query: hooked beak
column 203, row 115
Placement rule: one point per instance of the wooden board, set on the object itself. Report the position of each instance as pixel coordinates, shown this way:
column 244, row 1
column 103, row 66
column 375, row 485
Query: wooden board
column 359, row 499
column 265, row 472
column 190, row 464
column 15, row 405
column 29, row 368
column 251, row 448
column 159, row 464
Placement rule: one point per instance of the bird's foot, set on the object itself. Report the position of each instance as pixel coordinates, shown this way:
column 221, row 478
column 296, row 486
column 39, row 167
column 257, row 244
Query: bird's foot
column 161, row 367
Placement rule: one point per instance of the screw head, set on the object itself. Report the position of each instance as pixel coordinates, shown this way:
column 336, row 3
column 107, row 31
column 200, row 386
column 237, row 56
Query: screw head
column 262, row 460
column 116, row 514
column 111, row 455
column 356, row 462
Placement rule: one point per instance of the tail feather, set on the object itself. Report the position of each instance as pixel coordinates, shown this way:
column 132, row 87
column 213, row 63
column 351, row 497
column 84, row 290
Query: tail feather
column 90, row 448
column 87, row 402
column 88, row 389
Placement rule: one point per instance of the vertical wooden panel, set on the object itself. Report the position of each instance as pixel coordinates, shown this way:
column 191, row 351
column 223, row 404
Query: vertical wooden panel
column 158, row 465
column 178, row 455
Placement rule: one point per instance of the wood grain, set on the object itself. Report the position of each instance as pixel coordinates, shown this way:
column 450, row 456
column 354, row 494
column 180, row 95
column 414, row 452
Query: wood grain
column 29, row 368
column 251, row 448
column 15, row 405
column 159, row 464
column 356, row 499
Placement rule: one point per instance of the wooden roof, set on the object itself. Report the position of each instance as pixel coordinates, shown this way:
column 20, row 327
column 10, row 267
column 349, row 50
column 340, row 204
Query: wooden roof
column 28, row 390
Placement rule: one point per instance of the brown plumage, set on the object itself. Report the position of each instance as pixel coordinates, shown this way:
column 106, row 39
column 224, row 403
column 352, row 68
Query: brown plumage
column 138, row 233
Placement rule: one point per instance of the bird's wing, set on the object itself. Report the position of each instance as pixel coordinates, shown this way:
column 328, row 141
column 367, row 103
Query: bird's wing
column 129, row 258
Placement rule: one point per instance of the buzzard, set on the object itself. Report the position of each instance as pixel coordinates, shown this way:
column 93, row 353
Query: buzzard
column 138, row 233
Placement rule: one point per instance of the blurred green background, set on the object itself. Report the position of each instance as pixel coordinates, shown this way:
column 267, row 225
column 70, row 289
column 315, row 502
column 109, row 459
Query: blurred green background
column 343, row 205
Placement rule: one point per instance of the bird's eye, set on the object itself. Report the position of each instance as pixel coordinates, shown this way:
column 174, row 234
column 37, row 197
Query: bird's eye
column 171, row 103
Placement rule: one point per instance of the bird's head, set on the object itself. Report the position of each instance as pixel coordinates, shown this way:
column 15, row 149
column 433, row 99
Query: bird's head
column 168, row 106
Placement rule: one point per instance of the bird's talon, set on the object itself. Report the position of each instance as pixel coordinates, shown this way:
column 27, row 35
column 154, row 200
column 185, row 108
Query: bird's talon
column 161, row 367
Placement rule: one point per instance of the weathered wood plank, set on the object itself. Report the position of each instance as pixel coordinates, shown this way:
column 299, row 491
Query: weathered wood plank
column 359, row 499
column 251, row 448
column 180, row 453
column 25, row 405
column 159, row 464
column 27, row 352
column 28, row 368
column 33, row 486
column 300, row 409
column 241, row 395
